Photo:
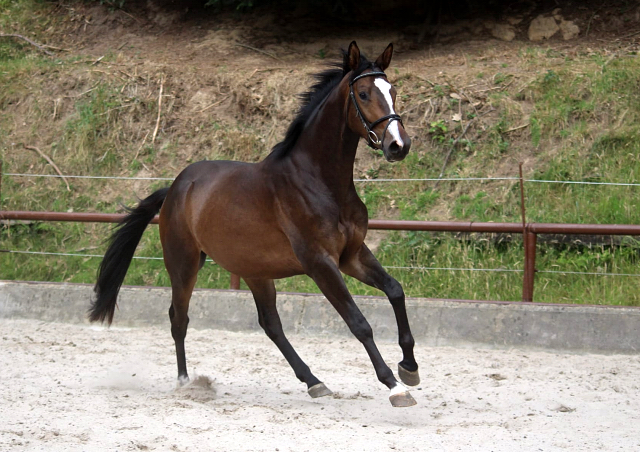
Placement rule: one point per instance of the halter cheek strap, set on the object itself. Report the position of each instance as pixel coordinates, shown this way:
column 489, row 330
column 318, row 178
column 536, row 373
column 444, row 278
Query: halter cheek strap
column 372, row 137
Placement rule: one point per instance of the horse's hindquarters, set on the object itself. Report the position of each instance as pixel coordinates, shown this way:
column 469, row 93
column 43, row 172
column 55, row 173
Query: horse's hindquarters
column 226, row 209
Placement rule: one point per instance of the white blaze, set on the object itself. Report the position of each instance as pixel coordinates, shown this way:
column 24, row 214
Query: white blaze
column 385, row 89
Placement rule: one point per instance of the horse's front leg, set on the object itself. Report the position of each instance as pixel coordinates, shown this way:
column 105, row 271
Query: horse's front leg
column 366, row 268
column 325, row 273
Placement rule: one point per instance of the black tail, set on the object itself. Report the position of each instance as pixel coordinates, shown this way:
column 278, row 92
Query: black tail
column 116, row 261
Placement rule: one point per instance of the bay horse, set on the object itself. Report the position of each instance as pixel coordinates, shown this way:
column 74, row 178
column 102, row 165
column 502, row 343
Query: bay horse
column 295, row 212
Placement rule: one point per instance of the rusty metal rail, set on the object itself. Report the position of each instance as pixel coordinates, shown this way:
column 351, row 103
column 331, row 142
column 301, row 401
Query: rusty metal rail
column 65, row 216
column 529, row 231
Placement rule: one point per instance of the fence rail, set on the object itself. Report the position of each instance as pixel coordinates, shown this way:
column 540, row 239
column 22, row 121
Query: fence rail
column 529, row 231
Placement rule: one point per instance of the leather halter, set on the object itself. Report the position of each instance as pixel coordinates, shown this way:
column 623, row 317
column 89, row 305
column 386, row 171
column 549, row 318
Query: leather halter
column 372, row 137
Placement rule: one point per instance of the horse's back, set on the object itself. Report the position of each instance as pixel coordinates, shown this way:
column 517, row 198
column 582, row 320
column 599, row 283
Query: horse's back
column 206, row 170
column 195, row 186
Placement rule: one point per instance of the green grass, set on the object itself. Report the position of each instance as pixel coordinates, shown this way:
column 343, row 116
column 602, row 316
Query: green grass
column 612, row 157
column 473, row 259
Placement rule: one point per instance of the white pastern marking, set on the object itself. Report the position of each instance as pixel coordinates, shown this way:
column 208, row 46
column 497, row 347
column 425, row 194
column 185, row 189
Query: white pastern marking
column 398, row 389
column 385, row 89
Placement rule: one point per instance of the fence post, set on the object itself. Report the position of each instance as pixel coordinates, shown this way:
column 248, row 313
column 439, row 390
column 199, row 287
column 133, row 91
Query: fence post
column 235, row 282
column 530, row 241
column 529, row 251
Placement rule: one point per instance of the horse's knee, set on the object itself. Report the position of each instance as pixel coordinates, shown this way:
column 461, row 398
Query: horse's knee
column 273, row 332
column 362, row 330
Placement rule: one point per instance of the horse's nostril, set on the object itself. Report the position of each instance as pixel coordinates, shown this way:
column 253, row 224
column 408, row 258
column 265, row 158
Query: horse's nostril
column 397, row 150
column 394, row 147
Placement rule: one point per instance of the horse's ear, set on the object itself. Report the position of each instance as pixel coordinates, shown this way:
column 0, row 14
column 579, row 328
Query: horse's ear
column 384, row 59
column 353, row 56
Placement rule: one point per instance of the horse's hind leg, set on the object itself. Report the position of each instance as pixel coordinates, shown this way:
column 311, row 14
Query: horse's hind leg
column 366, row 268
column 264, row 294
column 183, row 260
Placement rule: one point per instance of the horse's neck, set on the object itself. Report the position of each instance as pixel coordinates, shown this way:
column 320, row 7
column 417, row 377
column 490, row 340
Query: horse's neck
column 327, row 147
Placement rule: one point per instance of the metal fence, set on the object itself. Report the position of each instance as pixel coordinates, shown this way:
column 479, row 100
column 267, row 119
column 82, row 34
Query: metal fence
column 529, row 231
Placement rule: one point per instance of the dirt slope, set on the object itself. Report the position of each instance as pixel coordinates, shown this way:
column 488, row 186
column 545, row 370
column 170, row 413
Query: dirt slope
column 229, row 84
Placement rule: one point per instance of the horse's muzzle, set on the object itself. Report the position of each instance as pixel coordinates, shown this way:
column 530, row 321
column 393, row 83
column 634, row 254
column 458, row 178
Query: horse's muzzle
column 395, row 152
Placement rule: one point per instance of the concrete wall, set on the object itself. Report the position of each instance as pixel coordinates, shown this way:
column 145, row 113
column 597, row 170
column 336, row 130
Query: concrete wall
column 572, row 328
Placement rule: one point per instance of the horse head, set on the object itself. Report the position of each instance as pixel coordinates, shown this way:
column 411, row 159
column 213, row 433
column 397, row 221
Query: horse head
column 373, row 99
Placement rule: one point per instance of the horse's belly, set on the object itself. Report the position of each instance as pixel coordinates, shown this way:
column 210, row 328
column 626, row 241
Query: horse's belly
column 252, row 253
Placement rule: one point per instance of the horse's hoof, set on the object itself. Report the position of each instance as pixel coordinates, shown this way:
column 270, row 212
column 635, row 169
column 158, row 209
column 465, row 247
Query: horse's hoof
column 402, row 399
column 408, row 377
column 319, row 390
column 183, row 380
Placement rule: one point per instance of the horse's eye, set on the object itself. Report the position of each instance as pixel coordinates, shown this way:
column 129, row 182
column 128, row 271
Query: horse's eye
column 363, row 95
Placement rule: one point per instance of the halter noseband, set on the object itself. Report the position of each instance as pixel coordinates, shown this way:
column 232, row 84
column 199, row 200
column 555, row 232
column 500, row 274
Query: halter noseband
column 372, row 137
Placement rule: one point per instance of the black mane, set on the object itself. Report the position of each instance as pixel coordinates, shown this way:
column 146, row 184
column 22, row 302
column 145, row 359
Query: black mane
column 326, row 81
